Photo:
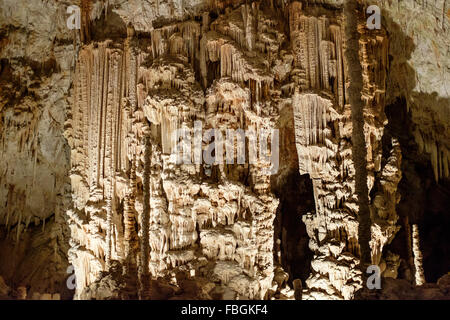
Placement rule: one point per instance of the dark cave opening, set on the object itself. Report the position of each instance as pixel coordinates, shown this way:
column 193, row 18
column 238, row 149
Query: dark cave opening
column 434, row 228
column 424, row 201
column 295, row 193
column 212, row 73
column 296, row 199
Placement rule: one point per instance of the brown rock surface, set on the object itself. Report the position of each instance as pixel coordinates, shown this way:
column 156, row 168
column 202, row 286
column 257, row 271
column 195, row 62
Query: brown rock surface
column 90, row 174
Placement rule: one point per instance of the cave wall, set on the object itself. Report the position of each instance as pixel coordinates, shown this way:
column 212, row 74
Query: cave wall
column 87, row 118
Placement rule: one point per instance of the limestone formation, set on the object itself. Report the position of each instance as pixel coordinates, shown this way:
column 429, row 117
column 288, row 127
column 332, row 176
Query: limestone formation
column 107, row 131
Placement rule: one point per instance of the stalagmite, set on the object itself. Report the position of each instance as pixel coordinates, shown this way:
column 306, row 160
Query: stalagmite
column 144, row 272
column 418, row 276
column 196, row 150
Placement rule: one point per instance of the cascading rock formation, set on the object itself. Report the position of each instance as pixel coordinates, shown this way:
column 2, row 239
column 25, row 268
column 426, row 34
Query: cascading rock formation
column 102, row 198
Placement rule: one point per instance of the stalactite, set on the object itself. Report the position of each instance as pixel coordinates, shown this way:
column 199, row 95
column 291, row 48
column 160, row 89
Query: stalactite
column 129, row 101
column 318, row 52
column 85, row 32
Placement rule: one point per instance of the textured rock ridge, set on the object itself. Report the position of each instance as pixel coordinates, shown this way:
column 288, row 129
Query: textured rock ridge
column 107, row 133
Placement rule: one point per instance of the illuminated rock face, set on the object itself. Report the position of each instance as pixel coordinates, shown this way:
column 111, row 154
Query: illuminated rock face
column 132, row 202
column 323, row 131
column 90, row 147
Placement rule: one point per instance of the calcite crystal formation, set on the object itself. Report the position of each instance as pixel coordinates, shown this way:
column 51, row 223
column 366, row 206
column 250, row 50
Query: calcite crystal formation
column 128, row 103
column 95, row 175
